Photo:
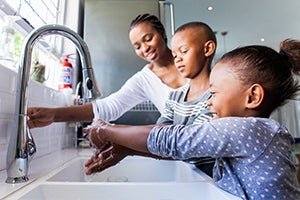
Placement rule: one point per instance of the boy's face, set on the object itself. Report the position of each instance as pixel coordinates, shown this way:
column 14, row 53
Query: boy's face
column 229, row 95
column 188, row 51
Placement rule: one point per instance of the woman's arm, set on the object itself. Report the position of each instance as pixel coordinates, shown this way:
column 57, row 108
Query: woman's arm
column 116, row 104
column 40, row 116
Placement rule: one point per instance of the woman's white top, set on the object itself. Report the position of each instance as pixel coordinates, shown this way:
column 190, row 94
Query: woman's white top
column 142, row 86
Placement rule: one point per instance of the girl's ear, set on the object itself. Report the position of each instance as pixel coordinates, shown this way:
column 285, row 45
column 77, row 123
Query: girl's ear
column 255, row 96
column 209, row 48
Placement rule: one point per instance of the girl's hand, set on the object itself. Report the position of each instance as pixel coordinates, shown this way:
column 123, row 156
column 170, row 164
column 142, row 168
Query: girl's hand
column 106, row 158
column 94, row 134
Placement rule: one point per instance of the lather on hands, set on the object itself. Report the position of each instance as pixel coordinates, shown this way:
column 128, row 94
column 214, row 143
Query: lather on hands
column 107, row 154
column 93, row 133
column 115, row 142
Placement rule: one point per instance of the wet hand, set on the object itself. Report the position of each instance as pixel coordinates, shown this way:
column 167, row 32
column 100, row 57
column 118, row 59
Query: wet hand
column 93, row 134
column 105, row 158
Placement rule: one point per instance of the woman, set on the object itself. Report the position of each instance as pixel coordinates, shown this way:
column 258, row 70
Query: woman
column 153, row 82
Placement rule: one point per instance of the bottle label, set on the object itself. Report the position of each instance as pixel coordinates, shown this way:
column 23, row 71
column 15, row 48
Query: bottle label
column 67, row 75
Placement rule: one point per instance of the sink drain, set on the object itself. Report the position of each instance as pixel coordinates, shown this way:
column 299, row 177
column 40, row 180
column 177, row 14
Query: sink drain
column 117, row 179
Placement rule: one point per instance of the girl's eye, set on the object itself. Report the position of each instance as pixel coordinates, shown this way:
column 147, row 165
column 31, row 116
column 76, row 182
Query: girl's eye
column 184, row 51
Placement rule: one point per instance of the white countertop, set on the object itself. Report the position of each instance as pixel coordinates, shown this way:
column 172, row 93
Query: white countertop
column 42, row 168
column 39, row 167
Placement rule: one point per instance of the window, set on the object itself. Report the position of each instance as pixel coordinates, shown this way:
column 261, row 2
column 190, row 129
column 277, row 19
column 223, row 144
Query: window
column 38, row 12
column 34, row 14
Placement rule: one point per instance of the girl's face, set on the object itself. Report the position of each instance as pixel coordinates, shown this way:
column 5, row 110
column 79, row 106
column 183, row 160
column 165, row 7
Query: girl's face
column 147, row 42
column 229, row 95
column 188, row 52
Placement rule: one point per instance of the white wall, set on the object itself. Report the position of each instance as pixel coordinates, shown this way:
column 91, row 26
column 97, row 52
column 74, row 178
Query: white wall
column 47, row 139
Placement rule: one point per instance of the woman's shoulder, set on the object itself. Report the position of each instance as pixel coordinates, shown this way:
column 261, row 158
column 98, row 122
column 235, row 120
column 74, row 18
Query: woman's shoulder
column 146, row 74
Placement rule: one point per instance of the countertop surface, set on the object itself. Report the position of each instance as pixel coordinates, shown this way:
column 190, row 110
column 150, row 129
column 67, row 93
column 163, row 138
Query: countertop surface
column 41, row 168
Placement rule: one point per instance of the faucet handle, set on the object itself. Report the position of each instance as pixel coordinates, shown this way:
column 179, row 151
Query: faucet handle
column 31, row 147
column 89, row 83
column 90, row 89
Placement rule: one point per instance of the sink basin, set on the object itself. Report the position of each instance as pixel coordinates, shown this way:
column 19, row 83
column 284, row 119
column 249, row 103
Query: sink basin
column 132, row 191
column 133, row 178
column 131, row 169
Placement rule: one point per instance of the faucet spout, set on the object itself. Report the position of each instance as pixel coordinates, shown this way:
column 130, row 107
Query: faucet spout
column 21, row 146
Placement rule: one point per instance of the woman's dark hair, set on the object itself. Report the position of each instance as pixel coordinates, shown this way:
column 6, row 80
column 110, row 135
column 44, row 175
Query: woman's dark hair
column 152, row 20
column 272, row 70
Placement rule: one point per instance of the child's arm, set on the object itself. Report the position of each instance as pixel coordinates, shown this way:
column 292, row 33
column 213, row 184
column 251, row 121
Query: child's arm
column 133, row 137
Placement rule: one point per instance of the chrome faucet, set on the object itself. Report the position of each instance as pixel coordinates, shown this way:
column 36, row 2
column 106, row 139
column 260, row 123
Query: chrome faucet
column 21, row 144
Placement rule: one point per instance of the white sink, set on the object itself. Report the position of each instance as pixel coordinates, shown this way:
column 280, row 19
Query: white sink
column 131, row 169
column 133, row 191
column 134, row 178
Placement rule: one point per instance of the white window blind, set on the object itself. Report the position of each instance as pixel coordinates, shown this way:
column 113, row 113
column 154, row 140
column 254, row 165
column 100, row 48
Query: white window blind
column 38, row 12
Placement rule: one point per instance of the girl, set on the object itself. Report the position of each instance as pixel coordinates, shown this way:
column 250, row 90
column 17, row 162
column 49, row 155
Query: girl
column 252, row 151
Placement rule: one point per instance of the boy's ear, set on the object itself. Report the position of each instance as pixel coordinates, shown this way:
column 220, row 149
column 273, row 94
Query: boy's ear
column 255, row 96
column 209, row 48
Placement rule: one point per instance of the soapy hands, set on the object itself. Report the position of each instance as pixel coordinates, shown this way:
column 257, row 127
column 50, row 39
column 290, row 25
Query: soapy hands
column 107, row 154
column 94, row 134
column 102, row 159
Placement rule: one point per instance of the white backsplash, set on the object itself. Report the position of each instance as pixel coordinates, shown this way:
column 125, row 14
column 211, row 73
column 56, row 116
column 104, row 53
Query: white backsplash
column 47, row 139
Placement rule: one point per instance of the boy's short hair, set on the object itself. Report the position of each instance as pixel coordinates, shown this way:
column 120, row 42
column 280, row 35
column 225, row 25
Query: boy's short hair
column 210, row 33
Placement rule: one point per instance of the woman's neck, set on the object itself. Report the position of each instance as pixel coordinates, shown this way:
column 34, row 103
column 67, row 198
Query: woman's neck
column 165, row 61
column 167, row 72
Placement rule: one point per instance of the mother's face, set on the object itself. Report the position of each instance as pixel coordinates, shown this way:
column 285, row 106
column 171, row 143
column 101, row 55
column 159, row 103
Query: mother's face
column 147, row 42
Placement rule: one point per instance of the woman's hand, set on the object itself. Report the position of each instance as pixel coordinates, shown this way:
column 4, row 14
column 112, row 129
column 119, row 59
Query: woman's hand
column 39, row 117
column 105, row 158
